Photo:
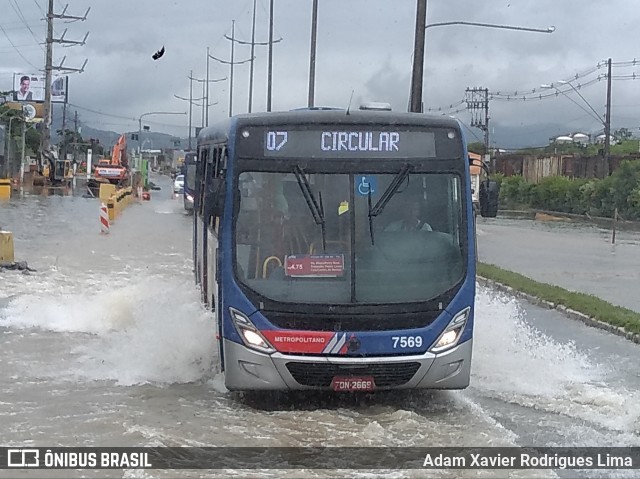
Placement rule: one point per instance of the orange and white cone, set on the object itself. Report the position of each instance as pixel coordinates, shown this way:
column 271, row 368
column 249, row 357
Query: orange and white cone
column 104, row 219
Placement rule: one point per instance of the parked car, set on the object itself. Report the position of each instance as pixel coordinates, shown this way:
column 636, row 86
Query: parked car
column 178, row 184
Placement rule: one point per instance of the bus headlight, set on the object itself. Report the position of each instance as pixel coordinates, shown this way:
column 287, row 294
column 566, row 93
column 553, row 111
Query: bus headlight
column 250, row 335
column 450, row 336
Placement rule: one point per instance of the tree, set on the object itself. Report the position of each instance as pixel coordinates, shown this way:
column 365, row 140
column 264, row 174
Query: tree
column 476, row 147
column 32, row 140
column 67, row 141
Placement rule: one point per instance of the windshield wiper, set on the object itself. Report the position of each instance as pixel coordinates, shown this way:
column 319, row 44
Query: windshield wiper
column 316, row 207
column 391, row 190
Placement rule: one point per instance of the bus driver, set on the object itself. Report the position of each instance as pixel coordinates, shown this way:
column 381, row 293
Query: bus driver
column 410, row 220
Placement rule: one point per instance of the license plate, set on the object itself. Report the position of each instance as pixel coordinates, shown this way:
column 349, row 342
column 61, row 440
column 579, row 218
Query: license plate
column 353, row 383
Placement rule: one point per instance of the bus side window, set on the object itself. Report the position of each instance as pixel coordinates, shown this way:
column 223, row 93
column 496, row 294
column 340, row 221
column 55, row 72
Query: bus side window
column 209, row 170
column 214, row 192
column 200, row 178
column 221, row 164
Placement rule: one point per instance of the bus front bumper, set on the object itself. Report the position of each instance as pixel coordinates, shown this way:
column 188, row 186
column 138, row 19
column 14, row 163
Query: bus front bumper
column 248, row 370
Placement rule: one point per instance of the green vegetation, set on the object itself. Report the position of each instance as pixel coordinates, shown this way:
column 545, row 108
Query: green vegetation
column 476, row 147
column 32, row 136
column 583, row 303
column 596, row 197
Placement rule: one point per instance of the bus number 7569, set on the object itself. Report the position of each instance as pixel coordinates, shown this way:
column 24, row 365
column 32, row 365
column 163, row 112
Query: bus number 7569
column 406, row 341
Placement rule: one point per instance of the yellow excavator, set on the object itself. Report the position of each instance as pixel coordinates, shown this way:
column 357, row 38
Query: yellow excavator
column 53, row 169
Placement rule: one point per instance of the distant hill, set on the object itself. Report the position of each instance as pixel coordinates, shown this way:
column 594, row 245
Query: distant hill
column 502, row 135
column 150, row 139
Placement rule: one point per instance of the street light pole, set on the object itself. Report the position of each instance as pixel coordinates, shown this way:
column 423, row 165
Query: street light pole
column 607, row 120
column 312, row 54
column 415, row 101
column 418, row 64
column 270, row 61
column 152, row 113
column 550, row 29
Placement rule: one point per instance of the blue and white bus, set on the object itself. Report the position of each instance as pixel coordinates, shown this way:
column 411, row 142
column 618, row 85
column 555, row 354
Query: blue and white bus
column 189, row 170
column 337, row 249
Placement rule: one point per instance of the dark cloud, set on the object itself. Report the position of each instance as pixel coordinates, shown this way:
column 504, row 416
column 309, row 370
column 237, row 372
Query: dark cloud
column 364, row 46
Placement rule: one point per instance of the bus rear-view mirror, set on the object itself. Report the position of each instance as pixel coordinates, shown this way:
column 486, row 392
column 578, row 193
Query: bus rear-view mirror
column 488, row 196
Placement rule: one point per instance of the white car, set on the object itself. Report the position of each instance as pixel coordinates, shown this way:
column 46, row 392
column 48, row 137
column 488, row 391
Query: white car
column 178, row 184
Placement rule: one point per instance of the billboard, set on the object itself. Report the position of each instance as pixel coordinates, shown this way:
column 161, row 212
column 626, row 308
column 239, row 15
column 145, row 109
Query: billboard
column 30, row 87
column 33, row 112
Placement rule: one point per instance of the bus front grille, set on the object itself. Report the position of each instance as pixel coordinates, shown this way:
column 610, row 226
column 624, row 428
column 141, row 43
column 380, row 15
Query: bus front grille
column 345, row 322
column 321, row 374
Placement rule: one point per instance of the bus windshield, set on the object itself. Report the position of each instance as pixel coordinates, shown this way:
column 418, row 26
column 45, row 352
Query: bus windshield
column 324, row 237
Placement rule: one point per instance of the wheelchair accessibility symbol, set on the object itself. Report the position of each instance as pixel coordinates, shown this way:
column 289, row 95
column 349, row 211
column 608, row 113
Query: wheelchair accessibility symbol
column 366, row 184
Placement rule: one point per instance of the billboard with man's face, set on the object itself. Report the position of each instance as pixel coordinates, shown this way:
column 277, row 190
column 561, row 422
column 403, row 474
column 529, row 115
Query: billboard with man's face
column 30, row 87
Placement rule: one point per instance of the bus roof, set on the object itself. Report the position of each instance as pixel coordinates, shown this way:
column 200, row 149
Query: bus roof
column 220, row 131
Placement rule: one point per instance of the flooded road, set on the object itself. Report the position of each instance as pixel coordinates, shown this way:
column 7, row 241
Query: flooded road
column 107, row 344
column 573, row 255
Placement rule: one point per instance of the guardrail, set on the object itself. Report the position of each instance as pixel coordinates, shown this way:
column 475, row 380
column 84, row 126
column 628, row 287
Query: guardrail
column 5, row 189
column 116, row 200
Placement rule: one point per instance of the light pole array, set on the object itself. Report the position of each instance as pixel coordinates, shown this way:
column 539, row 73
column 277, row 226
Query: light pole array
column 231, row 64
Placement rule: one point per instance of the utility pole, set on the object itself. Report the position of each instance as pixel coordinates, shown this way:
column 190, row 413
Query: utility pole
column 64, row 130
column 205, row 93
column 49, row 67
column 253, row 47
column 46, row 133
column 478, row 104
column 192, row 101
column 75, row 136
column 270, row 63
column 312, row 55
column 231, row 64
column 417, row 75
column 22, row 151
column 206, row 117
column 607, row 121
column 253, row 44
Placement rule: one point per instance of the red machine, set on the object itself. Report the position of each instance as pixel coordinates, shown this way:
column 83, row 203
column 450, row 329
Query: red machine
column 115, row 169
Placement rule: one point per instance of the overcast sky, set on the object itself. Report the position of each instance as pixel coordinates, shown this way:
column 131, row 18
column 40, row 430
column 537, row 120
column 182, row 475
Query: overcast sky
column 364, row 46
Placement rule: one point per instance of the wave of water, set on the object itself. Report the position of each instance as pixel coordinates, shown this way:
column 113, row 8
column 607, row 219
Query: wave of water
column 515, row 362
column 152, row 330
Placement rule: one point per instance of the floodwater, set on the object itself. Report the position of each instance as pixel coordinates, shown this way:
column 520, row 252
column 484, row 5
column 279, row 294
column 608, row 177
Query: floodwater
column 574, row 255
column 107, row 344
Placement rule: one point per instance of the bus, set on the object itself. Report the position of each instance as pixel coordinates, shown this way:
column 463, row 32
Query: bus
column 337, row 249
column 189, row 170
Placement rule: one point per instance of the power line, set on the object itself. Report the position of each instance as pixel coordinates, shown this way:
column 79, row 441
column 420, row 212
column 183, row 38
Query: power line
column 39, row 7
column 120, row 117
column 18, row 11
column 16, row 48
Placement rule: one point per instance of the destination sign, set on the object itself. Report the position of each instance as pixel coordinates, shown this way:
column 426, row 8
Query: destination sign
column 346, row 143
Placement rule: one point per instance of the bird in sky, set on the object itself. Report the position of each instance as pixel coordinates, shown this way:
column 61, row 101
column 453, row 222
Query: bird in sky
column 158, row 54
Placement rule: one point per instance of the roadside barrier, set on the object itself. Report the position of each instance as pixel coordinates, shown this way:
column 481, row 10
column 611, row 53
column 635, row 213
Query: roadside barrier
column 104, row 219
column 5, row 189
column 115, row 200
column 6, row 248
